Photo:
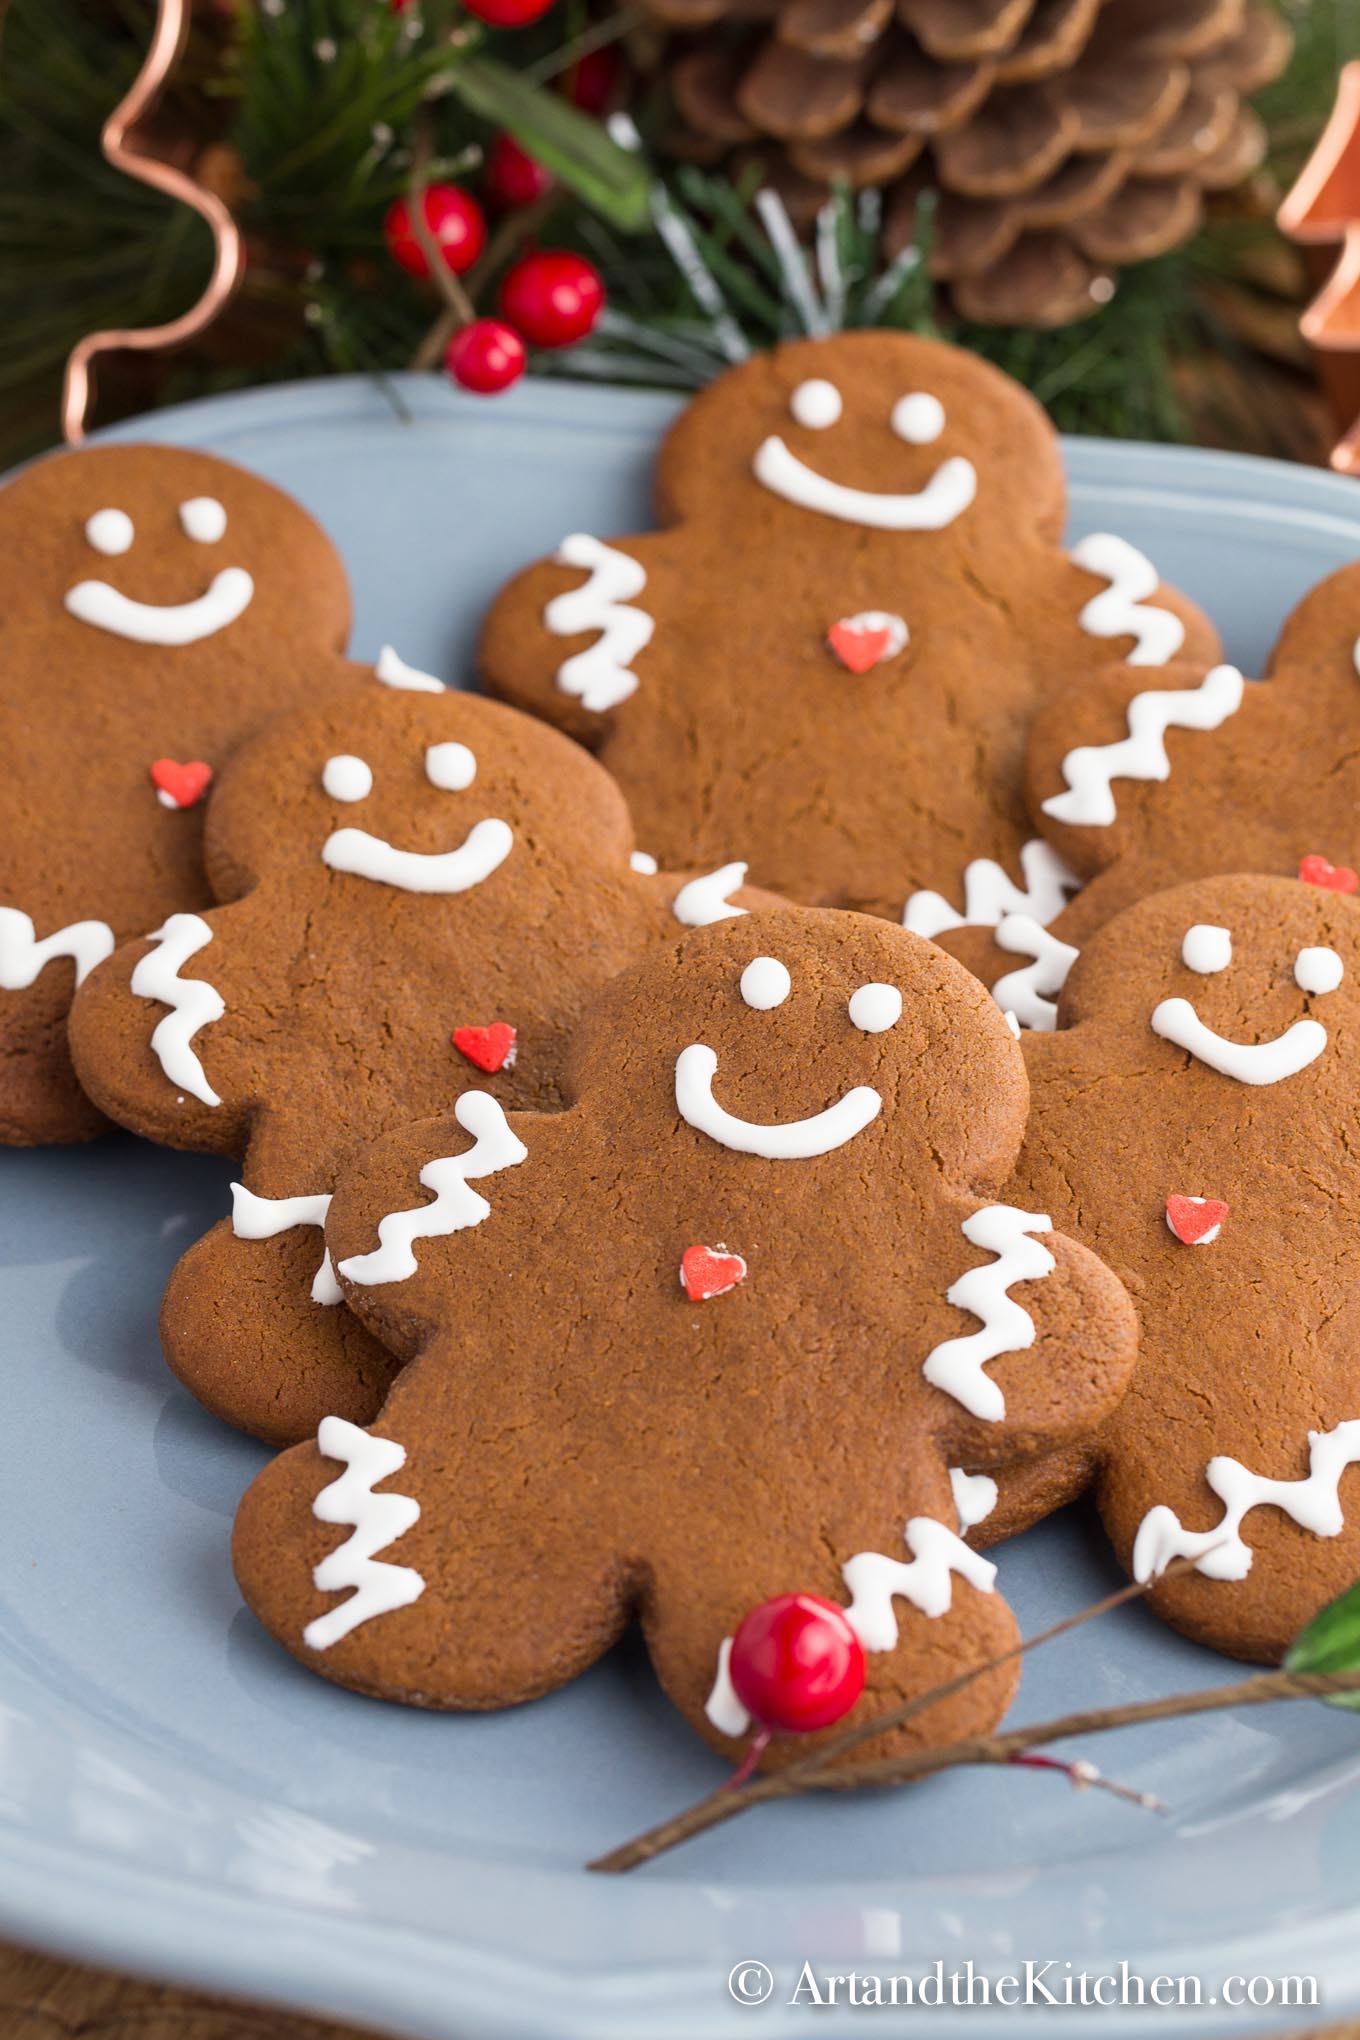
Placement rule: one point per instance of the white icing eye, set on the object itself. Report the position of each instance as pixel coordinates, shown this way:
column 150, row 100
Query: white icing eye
column 918, row 418
column 347, row 778
column 203, row 519
column 644, row 862
column 765, row 983
column 1206, row 948
column 1318, row 970
column 109, row 532
column 816, row 404
column 875, row 1008
column 450, row 767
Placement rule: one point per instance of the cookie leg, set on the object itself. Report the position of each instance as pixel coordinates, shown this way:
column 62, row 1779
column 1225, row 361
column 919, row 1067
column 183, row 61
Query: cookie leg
column 924, row 1611
column 243, row 1329
column 472, row 1572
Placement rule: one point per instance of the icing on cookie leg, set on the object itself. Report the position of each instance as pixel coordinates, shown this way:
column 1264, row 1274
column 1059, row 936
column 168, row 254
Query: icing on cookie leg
column 1031, row 994
column 1007, row 1327
column 194, row 1003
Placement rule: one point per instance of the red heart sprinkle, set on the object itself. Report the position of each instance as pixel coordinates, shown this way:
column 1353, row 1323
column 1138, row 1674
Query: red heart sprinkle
column 860, row 642
column 490, row 1048
column 180, row 786
column 1196, row 1220
column 1315, row 870
column 708, row 1271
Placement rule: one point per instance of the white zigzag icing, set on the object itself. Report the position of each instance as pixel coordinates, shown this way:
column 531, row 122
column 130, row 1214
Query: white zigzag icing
column 601, row 675
column 1090, row 769
column 22, row 956
column 1222, row 1553
column 957, row 1365
column 193, row 1002
column 1031, row 994
column 989, row 893
column 378, row 1520
column 1122, row 609
column 263, row 1218
column 926, row 1580
column 456, row 1206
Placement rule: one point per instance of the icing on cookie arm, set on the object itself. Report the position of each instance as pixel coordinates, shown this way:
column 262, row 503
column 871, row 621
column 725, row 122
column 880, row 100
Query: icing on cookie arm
column 1222, row 1553
column 193, row 1002
column 456, row 1206
column 1123, row 609
column 376, row 1520
column 1091, row 769
column 957, row 1365
column 601, row 676
column 23, row 956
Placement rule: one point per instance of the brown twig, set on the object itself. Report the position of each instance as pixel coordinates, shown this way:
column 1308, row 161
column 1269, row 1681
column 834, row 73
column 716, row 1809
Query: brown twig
column 460, row 305
column 511, row 234
column 882, row 1724
column 983, row 1749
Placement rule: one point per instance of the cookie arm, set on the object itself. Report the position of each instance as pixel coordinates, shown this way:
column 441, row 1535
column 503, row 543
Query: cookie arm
column 1046, row 1347
column 152, row 1035
column 569, row 638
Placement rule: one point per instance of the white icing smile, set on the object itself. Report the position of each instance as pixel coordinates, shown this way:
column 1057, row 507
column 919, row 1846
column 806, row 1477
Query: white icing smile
column 483, row 850
column 917, row 418
column 1209, row 950
column 227, row 596
column 784, row 1141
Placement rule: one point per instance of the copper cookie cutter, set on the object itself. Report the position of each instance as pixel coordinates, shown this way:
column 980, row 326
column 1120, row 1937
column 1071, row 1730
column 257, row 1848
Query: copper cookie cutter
column 1322, row 213
column 119, row 143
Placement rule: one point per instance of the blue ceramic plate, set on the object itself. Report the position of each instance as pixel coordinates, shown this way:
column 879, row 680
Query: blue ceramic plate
column 177, row 1796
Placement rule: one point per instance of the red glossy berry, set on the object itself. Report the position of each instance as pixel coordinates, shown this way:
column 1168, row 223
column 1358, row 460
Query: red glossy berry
column 486, row 356
column 796, row 1663
column 590, row 82
column 452, row 216
column 553, row 298
column 513, row 178
column 507, row 13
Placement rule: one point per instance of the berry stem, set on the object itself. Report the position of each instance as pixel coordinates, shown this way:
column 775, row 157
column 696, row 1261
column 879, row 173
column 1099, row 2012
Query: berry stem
column 759, row 1743
column 459, row 304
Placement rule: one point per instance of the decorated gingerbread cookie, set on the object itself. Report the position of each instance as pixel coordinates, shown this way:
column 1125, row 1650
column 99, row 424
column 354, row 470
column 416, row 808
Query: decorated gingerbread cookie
column 156, row 606
column 833, row 650
column 743, row 1322
column 1195, row 1119
column 421, row 890
column 1140, row 781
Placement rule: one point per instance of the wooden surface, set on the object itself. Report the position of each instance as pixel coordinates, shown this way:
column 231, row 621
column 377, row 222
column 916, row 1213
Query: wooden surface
column 41, row 1999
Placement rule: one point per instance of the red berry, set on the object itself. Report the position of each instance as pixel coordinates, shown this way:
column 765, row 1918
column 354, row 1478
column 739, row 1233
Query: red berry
column 796, row 1663
column 486, row 356
column 590, row 82
column 554, row 298
column 507, row 13
column 513, row 178
column 452, row 216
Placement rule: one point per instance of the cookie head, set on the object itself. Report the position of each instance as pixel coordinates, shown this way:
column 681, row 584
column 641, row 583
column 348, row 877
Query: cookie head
column 415, row 796
column 1252, row 981
column 808, row 1037
column 125, row 550
column 871, row 431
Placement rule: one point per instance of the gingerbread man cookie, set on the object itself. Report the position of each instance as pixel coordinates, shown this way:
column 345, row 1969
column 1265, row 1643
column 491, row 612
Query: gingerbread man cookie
column 1195, row 1119
column 420, row 891
column 833, row 651
column 727, row 1328
column 1141, row 781
column 156, row 606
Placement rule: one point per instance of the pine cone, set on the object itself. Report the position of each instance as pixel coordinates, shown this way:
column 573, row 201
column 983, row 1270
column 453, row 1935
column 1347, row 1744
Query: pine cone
column 1065, row 138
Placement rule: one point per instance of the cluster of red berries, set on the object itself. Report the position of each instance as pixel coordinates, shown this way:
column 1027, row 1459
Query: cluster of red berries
column 550, row 298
